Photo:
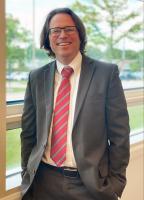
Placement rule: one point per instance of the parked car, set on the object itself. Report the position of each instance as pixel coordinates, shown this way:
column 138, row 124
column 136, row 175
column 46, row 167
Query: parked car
column 21, row 76
column 17, row 76
column 127, row 75
column 138, row 75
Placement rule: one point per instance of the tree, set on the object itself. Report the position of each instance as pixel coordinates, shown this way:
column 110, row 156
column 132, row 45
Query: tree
column 114, row 15
column 18, row 39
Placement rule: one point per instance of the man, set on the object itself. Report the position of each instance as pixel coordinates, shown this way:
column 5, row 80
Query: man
column 75, row 132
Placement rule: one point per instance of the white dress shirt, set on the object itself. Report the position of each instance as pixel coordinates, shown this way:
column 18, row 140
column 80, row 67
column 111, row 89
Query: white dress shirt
column 74, row 80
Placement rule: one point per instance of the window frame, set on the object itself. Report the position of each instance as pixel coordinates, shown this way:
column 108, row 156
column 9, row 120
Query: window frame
column 2, row 99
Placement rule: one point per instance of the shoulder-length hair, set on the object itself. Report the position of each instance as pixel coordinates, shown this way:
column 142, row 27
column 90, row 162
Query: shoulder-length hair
column 44, row 37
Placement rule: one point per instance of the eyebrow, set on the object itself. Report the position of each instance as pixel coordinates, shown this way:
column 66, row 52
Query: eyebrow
column 62, row 27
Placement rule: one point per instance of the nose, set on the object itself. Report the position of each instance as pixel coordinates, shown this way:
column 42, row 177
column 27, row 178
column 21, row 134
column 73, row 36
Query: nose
column 63, row 33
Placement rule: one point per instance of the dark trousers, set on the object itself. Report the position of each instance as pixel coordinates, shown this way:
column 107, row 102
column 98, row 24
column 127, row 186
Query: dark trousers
column 52, row 185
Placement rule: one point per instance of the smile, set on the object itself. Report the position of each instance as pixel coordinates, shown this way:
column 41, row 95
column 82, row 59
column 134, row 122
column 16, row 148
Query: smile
column 63, row 43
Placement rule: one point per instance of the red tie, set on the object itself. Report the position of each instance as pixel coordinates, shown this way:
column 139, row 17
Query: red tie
column 60, row 119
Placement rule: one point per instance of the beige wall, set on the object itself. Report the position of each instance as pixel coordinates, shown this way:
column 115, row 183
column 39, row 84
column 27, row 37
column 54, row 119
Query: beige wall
column 135, row 174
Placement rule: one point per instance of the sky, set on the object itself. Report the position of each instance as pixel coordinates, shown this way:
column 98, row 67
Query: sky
column 23, row 10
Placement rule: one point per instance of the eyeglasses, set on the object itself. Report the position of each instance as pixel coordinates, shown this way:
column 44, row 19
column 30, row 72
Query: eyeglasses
column 57, row 30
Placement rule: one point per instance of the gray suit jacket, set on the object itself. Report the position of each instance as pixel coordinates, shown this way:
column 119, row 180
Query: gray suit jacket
column 100, row 135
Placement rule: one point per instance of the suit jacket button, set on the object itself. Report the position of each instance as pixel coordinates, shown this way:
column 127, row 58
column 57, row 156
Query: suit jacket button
column 34, row 171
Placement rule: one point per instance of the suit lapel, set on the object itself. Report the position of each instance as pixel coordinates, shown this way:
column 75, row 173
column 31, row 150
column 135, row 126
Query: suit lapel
column 49, row 76
column 87, row 71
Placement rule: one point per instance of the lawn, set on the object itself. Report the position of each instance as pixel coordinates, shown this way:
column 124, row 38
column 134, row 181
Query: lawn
column 136, row 114
column 13, row 148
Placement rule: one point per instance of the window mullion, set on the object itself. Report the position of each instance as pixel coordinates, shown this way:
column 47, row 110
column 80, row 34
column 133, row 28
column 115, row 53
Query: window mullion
column 2, row 100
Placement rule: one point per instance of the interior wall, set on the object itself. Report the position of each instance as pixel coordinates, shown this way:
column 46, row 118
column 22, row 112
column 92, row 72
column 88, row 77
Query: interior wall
column 135, row 174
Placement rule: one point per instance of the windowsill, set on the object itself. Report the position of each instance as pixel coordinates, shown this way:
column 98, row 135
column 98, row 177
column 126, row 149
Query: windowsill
column 13, row 181
column 136, row 137
column 13, row 178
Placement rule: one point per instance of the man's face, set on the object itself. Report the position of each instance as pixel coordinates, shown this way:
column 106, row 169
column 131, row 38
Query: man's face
column 65, row 44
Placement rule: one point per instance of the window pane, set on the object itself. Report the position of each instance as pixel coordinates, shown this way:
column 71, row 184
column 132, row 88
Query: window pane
column 136, row 114
column 24, row 21
column 13, row 150
column 19, row 45
column 13, row 160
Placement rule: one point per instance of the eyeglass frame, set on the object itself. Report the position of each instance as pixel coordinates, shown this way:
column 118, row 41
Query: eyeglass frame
column 60, row 30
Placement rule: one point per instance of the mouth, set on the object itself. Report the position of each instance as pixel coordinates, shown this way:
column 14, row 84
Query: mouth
column 63, row 43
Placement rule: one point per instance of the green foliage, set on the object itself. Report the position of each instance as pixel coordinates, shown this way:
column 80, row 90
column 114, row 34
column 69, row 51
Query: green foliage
column 16, row 34
column 41, row 54
column 18, row 39
column 114, row 15
column 90, row 16
column 13, row 149
column 136, row 115
column 93, row 52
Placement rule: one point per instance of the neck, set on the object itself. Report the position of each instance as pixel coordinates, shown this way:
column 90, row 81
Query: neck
column 65, row 59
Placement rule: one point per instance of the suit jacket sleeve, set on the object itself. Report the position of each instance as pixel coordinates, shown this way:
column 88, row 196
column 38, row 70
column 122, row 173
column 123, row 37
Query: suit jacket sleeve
column 118, row 132
column 28, row 134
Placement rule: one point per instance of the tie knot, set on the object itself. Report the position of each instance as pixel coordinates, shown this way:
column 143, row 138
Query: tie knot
column 67, row 72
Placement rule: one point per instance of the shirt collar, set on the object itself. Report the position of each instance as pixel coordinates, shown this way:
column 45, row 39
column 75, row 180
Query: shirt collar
column 75, row 63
